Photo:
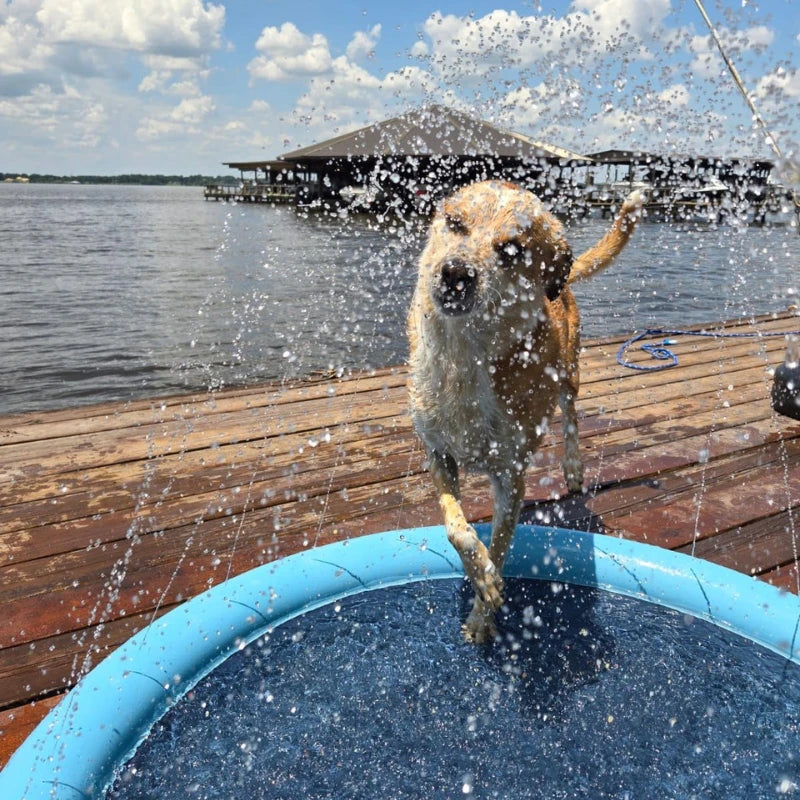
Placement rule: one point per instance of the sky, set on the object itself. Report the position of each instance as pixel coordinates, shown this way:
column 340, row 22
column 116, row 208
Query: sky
column 181, row 86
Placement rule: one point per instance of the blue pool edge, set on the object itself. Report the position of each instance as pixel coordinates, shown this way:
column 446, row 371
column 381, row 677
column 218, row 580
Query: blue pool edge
column 74, row 752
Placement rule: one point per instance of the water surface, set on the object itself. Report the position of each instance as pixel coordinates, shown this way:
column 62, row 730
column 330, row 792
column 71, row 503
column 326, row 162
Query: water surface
column 587, row 695
column 118, row 292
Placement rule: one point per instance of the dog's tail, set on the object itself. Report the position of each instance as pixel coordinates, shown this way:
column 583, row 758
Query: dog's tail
column 610, row 246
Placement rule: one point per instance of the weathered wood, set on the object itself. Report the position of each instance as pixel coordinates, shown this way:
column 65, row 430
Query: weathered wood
column 16, row 723
column 112, row 514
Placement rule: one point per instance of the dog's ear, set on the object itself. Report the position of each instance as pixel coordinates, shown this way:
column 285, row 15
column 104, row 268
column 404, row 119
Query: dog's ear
column 558, row 272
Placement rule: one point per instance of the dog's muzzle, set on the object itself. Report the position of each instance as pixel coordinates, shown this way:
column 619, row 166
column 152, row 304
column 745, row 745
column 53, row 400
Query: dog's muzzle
column 455, row 290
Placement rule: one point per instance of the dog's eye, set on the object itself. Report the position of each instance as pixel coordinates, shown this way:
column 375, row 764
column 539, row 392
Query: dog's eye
column 509, row 251
column 456, row 226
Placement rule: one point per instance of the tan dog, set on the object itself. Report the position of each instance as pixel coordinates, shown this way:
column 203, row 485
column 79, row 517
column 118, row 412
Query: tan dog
column 494, row 337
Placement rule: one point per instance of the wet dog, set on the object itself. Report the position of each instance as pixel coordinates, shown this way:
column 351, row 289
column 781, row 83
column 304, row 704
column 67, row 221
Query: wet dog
column 494, row 337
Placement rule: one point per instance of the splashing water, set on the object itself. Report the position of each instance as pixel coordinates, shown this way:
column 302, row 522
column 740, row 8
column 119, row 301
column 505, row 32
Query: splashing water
column 199, row 296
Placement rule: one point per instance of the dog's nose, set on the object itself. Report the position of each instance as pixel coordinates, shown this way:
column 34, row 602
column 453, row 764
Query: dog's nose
column 455, row 293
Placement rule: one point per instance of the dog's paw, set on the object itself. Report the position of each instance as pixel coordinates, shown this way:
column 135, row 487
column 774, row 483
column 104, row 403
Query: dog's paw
column 573, row 475
column 575, row 481
column 479, row 627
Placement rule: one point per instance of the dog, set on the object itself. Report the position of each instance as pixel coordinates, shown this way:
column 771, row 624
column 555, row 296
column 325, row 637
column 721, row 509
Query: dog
column 494, row 342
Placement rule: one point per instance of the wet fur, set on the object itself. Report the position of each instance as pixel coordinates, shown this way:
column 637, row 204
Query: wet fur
column 494, row 336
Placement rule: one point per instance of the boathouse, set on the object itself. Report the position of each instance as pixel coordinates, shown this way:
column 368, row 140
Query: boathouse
column 407, row 163
column 410, row 161
column 676, row 184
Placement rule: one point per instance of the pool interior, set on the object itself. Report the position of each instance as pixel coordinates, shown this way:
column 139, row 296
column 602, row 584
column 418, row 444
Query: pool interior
column 584, row 694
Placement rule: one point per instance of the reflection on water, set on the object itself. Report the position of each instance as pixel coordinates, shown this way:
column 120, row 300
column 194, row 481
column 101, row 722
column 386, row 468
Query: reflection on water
column 115, row 292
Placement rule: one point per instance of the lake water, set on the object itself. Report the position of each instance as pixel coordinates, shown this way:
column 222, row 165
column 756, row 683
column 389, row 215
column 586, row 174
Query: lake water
column 118, row 292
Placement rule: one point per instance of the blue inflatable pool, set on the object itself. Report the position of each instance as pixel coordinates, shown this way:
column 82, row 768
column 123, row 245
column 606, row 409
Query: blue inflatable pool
column 78, row 748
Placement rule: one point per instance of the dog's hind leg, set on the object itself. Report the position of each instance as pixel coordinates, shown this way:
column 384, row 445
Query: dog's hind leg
column 509, row 491
column 478, row 566
column 572, row 464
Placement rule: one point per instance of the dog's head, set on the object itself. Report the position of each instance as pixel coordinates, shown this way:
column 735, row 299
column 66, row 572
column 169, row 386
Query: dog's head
column 491, row 246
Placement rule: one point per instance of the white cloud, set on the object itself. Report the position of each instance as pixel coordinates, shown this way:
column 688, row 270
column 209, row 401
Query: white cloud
column 410, row 84
column 162, row 82
column 284, row 41
column 462, row 46
column 676, row 96
column 707, row 60
column 66, row 63
column 288, row 54
column 22, row 47
column 612, row 19
column 26, row 58
column 182, row 119
column 151, row 129
column 162, row 63
column 338, row 89
column 50, row 41
column 617, row 73
column 363, row 43
column 193, row 109
column 339, row 93
column 187, row 88
column 170, row 27
column 781, row 85
column 543, row 108
column 66, row 118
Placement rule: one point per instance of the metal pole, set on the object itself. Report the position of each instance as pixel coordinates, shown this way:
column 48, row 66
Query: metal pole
column 737, row 78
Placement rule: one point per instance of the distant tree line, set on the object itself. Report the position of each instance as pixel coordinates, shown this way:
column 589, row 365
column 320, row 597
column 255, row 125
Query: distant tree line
column 145, row 180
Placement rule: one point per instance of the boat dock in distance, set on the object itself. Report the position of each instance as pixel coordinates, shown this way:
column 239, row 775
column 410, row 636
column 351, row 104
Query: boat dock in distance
column 112, row 514
column 250, row 192
column 406, row 164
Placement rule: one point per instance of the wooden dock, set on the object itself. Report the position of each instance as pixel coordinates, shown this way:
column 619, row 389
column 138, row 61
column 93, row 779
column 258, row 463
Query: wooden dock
column 248, row 192
column 111, row 515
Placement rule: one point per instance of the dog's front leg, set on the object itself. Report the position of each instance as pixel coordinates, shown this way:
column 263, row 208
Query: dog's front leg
column 509, row 491
column 478, row 567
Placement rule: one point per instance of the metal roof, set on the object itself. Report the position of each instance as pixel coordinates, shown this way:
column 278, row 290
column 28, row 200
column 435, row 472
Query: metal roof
column 431, row 131
column 642, row 157
column 265, row 165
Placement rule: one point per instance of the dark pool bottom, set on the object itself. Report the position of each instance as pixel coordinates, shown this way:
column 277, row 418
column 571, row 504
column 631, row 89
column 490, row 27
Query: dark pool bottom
column 588, row 694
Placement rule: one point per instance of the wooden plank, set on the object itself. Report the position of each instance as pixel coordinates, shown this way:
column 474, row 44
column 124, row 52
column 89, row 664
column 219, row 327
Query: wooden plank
column 713, row 509
column 276, row 456
column 100, row 514
column 23, row 461
column 784, row 576
column 111, row 416
column 40, row 669
column 108, row 417
column 62, row 485
column 17, row 723
column 755, row 547
column 677, row 391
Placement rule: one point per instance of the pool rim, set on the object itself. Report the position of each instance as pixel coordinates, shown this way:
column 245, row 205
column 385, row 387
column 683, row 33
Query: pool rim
column 77, row 748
